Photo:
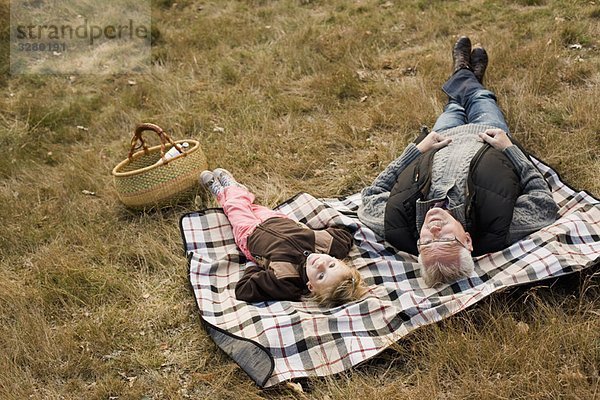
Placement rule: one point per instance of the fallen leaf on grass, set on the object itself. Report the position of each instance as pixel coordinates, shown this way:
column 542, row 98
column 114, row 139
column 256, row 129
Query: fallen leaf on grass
column 129, row 379
column 522, row 327
column 297, row 389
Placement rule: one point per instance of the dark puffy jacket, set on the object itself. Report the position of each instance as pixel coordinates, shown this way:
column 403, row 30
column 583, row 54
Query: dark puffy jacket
column 493, row 187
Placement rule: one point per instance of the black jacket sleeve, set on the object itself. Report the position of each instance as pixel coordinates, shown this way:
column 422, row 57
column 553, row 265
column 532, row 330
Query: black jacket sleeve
column 259, row 284
column 342, row 242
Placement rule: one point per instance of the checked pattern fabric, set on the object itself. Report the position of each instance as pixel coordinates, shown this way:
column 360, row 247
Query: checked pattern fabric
column 277, row 341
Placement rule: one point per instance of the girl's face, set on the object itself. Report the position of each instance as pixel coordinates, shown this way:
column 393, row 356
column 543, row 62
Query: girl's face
column 324, row 272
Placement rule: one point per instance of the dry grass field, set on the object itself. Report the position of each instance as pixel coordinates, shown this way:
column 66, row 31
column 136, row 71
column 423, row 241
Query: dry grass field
column 290, row 95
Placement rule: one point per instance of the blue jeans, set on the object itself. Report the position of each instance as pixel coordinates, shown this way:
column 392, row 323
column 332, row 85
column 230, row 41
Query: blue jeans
column 469, row 103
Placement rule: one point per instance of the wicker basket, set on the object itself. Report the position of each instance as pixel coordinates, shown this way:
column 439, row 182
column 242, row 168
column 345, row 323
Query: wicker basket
column 143, row 181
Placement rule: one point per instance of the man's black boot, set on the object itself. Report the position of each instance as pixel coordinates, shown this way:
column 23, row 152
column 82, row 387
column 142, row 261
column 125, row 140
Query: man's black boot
column 461, row 54
column 479, row 62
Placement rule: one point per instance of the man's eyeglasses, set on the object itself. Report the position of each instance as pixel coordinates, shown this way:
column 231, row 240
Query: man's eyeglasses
column 427, row 242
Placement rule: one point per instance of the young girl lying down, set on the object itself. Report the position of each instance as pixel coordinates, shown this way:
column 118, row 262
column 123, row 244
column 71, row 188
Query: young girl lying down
column 292, row 259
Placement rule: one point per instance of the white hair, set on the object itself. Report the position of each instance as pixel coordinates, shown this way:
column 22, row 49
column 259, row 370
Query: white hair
column 438, row 271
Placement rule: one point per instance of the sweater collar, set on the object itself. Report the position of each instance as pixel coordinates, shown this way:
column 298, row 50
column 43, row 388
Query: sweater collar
column 456, row 210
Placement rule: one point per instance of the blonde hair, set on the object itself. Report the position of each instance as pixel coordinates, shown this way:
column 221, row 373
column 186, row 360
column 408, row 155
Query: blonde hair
column 351, row 288
column 439, row 271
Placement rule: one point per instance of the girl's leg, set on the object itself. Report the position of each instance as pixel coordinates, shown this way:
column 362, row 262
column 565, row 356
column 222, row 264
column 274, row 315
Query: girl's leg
column 454, row 115
column 243, row 214
column 264, row 213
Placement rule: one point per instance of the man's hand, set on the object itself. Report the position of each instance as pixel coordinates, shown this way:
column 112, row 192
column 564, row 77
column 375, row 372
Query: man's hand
column 433, row 141
column 497, row 138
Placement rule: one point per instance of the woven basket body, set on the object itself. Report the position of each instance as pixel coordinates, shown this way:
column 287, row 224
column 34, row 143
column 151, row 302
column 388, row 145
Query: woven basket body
column 141, row 182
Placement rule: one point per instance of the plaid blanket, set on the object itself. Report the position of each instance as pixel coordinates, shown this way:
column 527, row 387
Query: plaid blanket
column 281, row 340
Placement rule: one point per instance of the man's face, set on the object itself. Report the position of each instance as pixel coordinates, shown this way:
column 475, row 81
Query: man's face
column 439, row 224
column 324, row 271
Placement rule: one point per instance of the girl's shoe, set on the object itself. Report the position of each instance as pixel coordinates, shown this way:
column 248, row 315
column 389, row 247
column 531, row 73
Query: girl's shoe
column 226, row 179
column 208, row 180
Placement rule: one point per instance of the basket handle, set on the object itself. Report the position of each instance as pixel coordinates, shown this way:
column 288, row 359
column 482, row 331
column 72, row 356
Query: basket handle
column 137, row 141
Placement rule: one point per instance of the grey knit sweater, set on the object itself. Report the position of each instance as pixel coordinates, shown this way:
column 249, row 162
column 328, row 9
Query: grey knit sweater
column 534, row 208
